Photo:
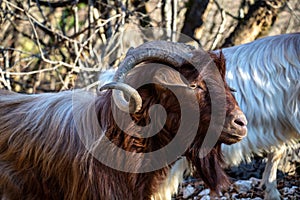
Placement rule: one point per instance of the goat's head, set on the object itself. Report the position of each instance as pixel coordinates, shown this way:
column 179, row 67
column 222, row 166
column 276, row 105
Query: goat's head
column 176, row 76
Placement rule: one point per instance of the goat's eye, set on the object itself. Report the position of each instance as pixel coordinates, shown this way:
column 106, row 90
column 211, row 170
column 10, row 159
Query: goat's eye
column 195, row 86
column 232, row 89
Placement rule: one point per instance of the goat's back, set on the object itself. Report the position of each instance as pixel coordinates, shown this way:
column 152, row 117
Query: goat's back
column 38, row 147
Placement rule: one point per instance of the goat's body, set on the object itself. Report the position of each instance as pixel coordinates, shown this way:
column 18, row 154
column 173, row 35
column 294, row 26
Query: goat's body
column 266, row 75
column 22, row 163
column 75, row 145
column 57, row 165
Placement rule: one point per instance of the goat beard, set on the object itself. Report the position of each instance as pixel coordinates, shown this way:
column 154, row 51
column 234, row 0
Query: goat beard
column 209, row 168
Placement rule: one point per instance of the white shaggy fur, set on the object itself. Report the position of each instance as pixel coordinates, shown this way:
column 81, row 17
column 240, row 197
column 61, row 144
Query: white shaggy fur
column 266, row 75
column 170, row 186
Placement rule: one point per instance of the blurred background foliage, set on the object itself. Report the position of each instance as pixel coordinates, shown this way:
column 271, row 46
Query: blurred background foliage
column 45, row 45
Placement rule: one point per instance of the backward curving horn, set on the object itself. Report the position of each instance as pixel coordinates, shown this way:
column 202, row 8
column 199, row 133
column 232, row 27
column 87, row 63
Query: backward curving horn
column 170, row 53
column 127, row 89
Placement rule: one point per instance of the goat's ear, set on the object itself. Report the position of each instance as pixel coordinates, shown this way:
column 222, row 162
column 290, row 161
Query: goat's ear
column 169, row 77
column 220, row 62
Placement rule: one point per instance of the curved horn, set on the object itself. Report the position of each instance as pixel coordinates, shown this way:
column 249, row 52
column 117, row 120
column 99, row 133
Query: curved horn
column 130, row 91
column 175, row 54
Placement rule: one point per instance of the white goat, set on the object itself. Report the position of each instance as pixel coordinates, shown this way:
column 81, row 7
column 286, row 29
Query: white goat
column 266, row 75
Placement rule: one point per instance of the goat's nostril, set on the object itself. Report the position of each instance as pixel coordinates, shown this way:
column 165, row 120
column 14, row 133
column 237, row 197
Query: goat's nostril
column 240, row 121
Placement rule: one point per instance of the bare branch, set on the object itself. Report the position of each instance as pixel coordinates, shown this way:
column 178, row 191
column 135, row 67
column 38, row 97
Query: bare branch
column 220, row 32
column 226, row 12
column 58, row 4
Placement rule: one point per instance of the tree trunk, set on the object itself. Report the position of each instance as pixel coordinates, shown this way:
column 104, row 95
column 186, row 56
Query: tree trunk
column 194, row 17
column 257, row 22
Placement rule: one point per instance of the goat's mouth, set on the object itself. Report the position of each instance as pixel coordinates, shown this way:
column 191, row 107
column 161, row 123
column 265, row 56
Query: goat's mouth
column 235, row 128
column 233, row 136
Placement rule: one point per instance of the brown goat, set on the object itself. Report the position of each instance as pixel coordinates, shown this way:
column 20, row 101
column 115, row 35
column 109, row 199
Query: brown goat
column 50, row 144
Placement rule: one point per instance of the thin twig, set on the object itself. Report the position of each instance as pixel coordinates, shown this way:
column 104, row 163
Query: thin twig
column 4, row 80
column 87, row 69
column 91, row 37
column 73, row 66
column 226, row 12
column 174, row 19
column 41, row 10
column 6, row 66
column 58, row 4
column 91, row 24
column 220, row 32
column 293, row 11
column 32, row 72
column 17, row 50
column 92, row 85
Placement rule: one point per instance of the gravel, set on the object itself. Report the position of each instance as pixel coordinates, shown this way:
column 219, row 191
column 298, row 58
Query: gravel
column 245, row 184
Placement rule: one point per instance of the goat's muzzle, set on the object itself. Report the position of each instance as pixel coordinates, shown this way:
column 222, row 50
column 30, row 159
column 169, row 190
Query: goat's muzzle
column 235, row 128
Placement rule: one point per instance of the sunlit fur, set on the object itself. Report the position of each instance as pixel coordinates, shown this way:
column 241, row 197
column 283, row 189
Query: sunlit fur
column 42, row 155
column 175, row 175
column 266, row 76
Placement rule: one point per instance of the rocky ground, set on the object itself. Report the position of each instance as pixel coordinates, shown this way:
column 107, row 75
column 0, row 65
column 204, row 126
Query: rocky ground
column 245, row 183
column 289, row 187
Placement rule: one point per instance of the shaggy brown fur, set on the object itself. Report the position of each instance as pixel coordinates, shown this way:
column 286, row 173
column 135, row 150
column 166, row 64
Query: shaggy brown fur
column 43, row 157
